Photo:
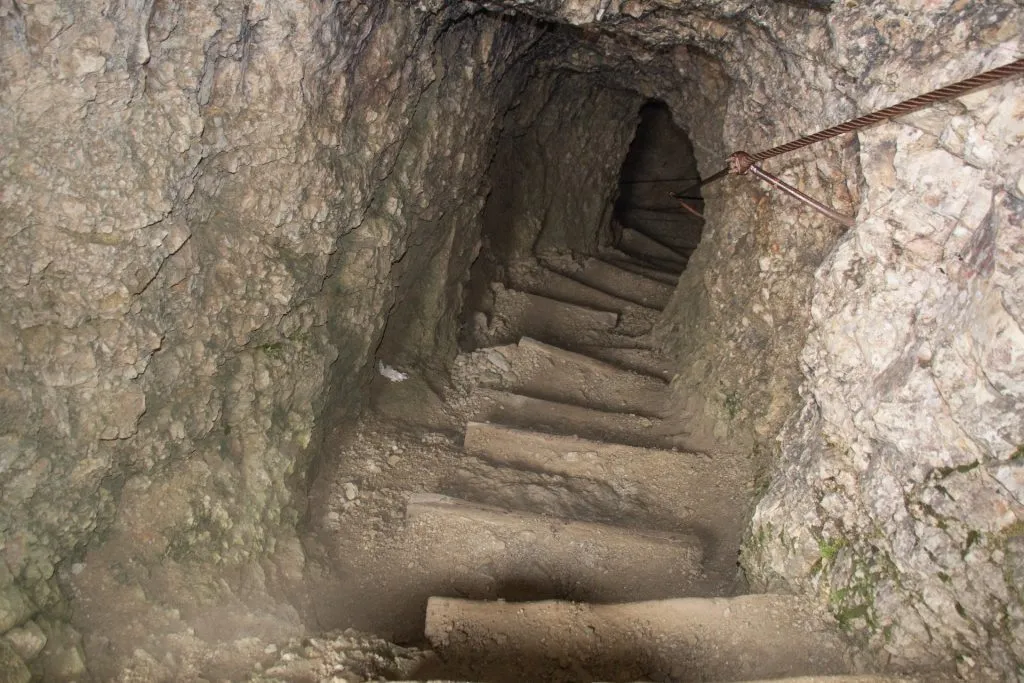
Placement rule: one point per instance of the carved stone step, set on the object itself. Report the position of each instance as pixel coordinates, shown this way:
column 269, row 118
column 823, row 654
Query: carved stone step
column 643, row 361
column 633, row 265
column 549, row 283
column 688, row 639
column 671, row 226
column 620, row 282
column 518, row 314
column 551, row 373
column 493, row 552
column 635, row 242
column 682, row 490
column 492, row 405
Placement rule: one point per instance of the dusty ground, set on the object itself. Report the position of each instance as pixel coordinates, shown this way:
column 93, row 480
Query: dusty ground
column 378, row 570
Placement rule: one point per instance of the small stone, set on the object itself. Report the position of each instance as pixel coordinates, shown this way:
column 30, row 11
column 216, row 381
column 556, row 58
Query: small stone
column 77, row 568
column 498, row 361
column 394, row 460
column 27, row 640
column 270, row 649
column 12, row 668
column 351, row 491
column 14, row 608
column 62, row 657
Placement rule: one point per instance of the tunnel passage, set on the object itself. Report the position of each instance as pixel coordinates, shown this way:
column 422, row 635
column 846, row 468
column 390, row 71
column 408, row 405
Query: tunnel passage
column 215, row 214
column 582, row 181
column 660, row 163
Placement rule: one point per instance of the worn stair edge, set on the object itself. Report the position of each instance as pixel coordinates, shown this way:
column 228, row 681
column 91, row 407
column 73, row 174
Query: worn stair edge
column 718, row 639
column 516, row 314
column 801, row 679
column 622, row 282
column 552, row 284
column 682, row 489
column 673, row 229
column 571, row 357
column 641, row 361
column 667, row 266
column 852, row 678
column 634, row 266
column 600, row 319
column 648, row 230
column 513, row 318
column 517, row 410
column 636, row 241
column 676, row 267
column 422, row 504
column 687, row 488
column 673, row 270
column 576, row 378
column 567, row 454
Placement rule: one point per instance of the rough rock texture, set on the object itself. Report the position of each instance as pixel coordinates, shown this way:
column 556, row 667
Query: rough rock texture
column 897, row 483
column 214, row 216
column 201, row 209
column 557, row 165
column 901, row 488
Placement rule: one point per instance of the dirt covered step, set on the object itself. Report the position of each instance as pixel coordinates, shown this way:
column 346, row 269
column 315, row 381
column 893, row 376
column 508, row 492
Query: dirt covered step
column 621, row 282
column 489, row 481
column 688, row 639
column 672, row 228
column 515, row 555
column 535, row 279
column 554, row 374
column 851, row 678
column 516, row 410
column 644, row 361
column 689, row 489
column 518, row 314
column 635, row 242
column 669, row 276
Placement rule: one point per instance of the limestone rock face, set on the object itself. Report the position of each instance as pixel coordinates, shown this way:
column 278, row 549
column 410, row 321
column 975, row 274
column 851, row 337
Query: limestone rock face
column 201, row 207
column 215, row 215
column 906, row 509
column 894, row 493
column 563, row 127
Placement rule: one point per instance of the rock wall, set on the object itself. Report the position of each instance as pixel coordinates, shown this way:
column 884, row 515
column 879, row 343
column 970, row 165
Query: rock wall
column 201, row 211
column 556, row 169
column 900, row 494
column 213, row 215
column 891, row 352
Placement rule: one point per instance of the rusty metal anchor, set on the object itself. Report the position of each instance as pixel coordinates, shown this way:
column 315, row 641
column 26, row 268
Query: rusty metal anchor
column 741, row 163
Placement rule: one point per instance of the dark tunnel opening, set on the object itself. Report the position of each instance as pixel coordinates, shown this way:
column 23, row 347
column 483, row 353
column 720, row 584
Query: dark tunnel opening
column 656, row 214
column 318, row 312
column 582, row 183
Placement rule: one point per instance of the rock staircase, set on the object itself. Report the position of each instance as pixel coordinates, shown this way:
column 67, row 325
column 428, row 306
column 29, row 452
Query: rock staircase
column 585, row 536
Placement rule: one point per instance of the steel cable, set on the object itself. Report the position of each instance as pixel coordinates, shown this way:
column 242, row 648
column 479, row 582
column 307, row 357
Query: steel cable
column 903, row 108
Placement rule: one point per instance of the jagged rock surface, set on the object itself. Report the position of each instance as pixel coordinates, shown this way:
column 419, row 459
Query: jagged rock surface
column 213, row 216
column 200, row 213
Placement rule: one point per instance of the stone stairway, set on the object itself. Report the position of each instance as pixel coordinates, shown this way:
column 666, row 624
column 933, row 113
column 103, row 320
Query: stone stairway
column 647, row 590
column 689, row 639
column 581, row 534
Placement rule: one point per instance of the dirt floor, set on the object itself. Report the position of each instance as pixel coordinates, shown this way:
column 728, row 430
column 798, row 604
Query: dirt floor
column 408, row 508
